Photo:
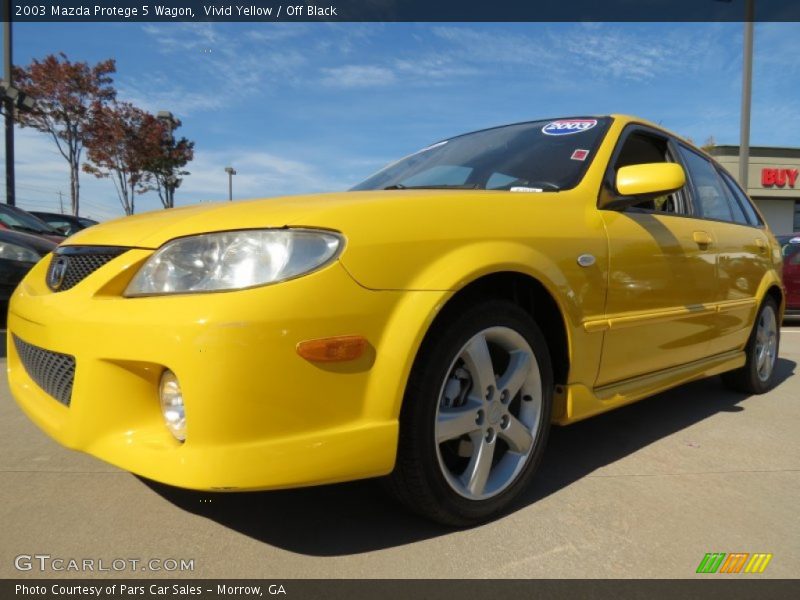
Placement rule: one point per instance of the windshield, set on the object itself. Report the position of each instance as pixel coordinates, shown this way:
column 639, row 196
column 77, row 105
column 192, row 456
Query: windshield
column 22, row 221
column 537, row 156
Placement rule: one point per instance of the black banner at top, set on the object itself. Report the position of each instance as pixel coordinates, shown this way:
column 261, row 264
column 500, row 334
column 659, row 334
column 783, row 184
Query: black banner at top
column 403, row 10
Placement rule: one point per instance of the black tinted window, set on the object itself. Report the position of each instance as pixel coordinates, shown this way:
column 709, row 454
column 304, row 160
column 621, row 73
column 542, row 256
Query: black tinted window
column 643, row 148
column 550, row 155
column 741, row 197
column 710, row 197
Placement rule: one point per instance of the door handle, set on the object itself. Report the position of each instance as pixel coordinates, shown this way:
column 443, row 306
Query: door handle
column 702, row 238
column 761, row 245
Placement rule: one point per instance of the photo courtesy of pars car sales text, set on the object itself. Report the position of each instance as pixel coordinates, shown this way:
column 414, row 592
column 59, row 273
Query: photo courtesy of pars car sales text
column 110, row 590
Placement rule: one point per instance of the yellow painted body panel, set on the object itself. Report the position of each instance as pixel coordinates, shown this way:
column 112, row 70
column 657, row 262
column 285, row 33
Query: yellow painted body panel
column 644, row 317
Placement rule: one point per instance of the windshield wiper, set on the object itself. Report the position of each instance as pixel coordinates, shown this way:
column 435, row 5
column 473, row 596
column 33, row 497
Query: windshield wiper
column 445, row 186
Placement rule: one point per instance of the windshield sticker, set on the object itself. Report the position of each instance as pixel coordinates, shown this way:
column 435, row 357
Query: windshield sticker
column 579, row 155
column 568, row 126
column 522, row 188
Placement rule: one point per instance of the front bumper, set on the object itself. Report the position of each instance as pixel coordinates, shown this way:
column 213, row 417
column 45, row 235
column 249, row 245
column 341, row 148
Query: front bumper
column 258, row 415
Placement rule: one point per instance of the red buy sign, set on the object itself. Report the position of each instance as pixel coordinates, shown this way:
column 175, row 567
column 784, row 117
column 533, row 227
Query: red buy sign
column 778, row 177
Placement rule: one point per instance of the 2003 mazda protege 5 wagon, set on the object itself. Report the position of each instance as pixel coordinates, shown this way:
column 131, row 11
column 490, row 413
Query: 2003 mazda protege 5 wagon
column 428, row 326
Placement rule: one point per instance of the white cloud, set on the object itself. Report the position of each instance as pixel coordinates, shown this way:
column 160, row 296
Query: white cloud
column 41, row 173
column 355, row 76
column 259, row 174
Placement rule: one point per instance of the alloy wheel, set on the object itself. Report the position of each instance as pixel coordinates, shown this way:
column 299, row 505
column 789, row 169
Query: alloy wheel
column 489, row 413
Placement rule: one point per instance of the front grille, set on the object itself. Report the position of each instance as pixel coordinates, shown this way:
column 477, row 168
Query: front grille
column 72, row 264
column 52, row 371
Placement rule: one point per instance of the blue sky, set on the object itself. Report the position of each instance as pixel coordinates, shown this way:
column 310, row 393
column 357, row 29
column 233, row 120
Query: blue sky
column 311, row 107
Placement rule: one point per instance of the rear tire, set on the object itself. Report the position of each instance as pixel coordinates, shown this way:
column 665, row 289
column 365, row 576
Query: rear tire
column 757, row 376
column 475, row 415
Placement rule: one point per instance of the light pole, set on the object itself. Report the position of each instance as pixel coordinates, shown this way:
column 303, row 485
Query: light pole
column 747, row 87
column 8, row 105
column 231, row 172
column 11, row 99
column 168, row 119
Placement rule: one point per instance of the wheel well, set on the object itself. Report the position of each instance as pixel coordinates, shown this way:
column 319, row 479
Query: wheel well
column 777, row 295
column 532, row 297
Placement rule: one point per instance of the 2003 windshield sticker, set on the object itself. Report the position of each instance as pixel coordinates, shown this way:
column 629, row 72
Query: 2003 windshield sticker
column 568, row 126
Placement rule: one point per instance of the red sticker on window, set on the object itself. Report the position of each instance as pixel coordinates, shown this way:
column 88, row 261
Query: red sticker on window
column 579, row 155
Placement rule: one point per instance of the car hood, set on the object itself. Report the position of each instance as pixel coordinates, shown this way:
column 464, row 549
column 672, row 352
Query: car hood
column 152, row 229
column 379, row 209
column 404, row 228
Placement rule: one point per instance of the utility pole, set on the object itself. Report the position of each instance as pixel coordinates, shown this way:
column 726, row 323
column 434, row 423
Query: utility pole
column 747, row 87
column 61, row 202
column 8, row 107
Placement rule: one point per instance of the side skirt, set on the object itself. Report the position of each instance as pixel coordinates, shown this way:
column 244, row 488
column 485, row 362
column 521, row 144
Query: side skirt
column 583, row 402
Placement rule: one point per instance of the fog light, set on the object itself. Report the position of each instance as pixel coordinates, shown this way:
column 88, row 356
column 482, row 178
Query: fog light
column 172, row 405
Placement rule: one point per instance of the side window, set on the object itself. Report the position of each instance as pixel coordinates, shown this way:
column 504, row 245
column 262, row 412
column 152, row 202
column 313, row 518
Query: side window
column 711, row 198
column 736, row 208
column 744, row 201
column 640, row 148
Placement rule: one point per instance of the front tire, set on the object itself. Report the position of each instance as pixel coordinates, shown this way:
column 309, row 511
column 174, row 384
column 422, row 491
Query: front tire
column 757, row 376
column 475, row 416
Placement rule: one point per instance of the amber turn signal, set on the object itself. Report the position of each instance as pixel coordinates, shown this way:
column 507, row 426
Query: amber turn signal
column 334, row 349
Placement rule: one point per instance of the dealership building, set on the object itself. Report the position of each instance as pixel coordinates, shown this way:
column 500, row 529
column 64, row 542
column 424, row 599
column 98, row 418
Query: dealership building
column 773, row 182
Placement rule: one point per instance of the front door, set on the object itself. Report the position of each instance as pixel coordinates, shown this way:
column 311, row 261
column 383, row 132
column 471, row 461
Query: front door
column 660, row 307
column 661, row 292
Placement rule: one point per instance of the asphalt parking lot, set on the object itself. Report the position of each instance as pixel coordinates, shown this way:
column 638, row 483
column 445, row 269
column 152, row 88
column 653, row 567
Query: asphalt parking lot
column 644, row 491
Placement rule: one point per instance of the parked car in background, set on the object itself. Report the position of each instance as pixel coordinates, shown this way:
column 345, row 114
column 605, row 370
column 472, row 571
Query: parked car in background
column 428, row 326
column 66, row 224
column 790, row 248
column 16, row 219
column 18, row 253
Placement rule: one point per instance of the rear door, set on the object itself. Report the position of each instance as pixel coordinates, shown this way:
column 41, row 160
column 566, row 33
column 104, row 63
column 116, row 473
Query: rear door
column 743, row 249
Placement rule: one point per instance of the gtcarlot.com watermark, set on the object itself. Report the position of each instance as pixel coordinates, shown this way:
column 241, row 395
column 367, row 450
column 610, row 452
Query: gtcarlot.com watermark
column 45, row 563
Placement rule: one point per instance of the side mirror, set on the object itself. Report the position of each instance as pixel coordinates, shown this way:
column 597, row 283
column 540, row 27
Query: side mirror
column 639, row 183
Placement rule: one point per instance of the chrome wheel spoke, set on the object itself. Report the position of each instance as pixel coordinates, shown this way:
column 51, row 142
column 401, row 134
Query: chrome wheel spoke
column 452, row 423
column 519, row 367
column 761, row 357
column 516, row 435
column 477, row 472
column 479, row 363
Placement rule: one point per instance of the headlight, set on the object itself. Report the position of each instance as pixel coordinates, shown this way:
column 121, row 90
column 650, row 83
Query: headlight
column 233, row 260
column 18, row 253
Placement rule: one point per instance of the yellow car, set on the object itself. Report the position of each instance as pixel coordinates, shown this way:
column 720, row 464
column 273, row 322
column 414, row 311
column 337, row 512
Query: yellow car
column 427, row 326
